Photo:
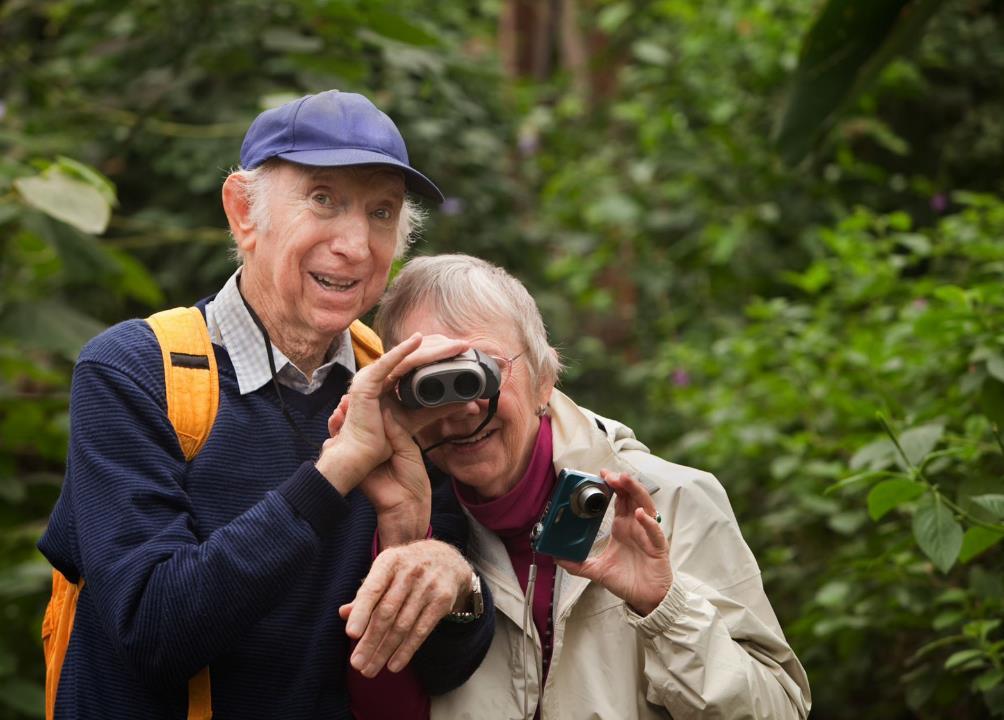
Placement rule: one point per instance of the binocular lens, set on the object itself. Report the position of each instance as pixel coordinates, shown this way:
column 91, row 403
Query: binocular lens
column 431, row 390
column 467, row 385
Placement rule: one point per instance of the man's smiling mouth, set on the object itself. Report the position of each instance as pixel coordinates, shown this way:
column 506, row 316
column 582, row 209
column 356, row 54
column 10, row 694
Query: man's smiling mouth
column 330, row 283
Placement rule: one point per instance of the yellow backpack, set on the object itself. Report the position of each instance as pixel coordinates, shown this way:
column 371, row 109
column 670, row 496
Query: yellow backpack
column 192, row 383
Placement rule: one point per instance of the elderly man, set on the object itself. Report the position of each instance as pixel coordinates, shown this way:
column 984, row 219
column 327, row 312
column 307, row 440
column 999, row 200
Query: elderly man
column 234, row 577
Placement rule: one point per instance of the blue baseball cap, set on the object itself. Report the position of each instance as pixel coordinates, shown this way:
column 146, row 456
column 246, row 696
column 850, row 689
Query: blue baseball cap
column 332, row 129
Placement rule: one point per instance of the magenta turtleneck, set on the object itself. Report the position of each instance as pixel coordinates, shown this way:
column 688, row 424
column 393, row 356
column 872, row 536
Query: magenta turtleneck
column 512, row 516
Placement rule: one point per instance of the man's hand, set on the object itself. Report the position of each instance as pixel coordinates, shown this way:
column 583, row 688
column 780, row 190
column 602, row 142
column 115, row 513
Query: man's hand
column 409, row 589
column 635, row 565
column 361, row 443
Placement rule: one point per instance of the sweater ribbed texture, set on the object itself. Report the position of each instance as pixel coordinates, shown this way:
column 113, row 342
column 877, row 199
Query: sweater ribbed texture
column 238, row 560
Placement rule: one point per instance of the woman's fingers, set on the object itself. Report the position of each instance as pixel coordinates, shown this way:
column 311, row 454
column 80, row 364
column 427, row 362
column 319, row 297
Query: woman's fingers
column 652, row 530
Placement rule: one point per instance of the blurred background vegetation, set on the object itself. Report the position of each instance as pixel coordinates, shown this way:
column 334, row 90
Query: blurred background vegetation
column 768, row 234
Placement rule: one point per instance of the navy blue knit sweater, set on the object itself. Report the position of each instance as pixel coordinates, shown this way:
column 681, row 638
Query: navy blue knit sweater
column 238, row 560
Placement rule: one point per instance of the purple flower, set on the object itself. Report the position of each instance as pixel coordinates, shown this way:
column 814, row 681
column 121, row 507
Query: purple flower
column 939, row 203
column 919, row 303
column 680, row 377
column 452, row 206
column 527, row 143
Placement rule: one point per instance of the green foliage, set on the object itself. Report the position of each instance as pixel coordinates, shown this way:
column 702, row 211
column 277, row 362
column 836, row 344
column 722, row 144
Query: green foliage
column 908, row 323
column 847, row 46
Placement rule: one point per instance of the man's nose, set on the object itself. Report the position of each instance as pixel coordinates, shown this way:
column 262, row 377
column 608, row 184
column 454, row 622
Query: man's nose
column 352, row 236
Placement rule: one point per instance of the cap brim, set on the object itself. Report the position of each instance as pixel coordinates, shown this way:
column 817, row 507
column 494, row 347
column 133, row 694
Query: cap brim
column 345, row 157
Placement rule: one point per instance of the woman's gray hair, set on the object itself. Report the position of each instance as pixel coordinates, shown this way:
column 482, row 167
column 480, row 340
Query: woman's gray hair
column 467, row 293
column 258, row 184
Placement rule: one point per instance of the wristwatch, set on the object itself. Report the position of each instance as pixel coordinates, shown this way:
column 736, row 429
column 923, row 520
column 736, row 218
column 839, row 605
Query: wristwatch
column 477, row 603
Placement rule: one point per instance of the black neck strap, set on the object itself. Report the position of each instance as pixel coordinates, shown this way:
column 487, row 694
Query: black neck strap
column 493, row 405
column 275, row 381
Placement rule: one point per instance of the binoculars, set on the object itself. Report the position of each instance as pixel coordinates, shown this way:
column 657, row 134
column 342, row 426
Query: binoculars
column 465, row 377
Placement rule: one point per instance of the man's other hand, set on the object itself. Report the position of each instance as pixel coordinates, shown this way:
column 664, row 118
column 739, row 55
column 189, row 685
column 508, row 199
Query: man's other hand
column 409, row 589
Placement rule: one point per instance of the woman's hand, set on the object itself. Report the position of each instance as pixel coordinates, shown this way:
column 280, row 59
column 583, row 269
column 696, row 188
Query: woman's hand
column 399, row 487
column 635, row 564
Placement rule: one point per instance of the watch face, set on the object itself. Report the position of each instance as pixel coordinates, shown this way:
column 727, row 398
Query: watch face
column 477, row 599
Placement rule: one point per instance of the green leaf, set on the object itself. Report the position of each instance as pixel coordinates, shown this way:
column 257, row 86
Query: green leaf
column 844, row 50
column 993, row 503
column 395, row 27
column 286, row 40
column 833, row 594
column 990, row 679
column 918, row 442
column 889, row 494
column 995, row 365
column 962, row 657
column 90, row 176
column 874, row 456
column 136, row 281
column 992, row 400
column 66, row 198
column 48, row 325
column 938, row 534
column 976, row 540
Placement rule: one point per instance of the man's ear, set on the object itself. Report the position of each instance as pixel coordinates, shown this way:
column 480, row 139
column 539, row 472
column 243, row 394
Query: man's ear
column 238, row 210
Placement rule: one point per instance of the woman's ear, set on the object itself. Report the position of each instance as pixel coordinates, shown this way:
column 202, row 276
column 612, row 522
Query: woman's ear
column 238, row 210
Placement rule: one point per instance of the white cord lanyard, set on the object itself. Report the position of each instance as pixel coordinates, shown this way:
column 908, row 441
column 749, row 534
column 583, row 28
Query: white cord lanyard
column 527, row 604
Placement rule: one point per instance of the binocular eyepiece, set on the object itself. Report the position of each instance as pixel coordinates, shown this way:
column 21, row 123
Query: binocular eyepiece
column 469, row 376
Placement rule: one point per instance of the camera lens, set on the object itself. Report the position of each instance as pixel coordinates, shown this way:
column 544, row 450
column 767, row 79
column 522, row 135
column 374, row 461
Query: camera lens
column 430, row 390
column 589, row 500
column 467, row 385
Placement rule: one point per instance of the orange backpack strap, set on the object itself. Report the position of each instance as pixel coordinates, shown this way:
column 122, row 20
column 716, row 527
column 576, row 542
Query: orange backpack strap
column 190, row 375
column 56, row 628
column 192, row 384
column 366, row 344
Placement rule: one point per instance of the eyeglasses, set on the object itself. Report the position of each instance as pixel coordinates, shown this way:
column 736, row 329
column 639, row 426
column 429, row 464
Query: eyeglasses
column 505, row 367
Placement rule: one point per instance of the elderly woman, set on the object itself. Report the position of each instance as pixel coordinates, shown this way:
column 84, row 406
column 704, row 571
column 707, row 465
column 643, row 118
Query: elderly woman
column 667, row 615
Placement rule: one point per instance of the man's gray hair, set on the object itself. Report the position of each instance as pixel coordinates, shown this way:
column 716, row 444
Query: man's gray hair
column 258, row 184
column 467, row 293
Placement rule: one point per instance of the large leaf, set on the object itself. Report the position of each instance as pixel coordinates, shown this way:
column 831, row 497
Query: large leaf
column 844, row 50
column 938, row 534
column 62, row 196
column 892, row 493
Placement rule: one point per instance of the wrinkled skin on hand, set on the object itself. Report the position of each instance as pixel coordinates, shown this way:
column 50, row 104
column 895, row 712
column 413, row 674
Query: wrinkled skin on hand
column 409, row 589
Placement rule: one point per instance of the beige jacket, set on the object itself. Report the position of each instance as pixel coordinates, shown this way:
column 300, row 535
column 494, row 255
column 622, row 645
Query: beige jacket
column 712, row 649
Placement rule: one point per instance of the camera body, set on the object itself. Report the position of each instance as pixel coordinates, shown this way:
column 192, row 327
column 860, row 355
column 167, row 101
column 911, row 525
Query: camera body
column 465, row 377
column 573, row 517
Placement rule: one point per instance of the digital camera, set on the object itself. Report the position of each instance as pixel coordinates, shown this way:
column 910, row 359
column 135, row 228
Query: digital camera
column 468, row 376
column 573, row 516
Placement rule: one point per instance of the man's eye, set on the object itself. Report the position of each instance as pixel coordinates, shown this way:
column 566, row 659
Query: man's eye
column 322, row 198
column 382, row 214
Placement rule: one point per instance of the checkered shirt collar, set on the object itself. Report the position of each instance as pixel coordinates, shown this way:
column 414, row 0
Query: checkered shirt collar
column 231, row 326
